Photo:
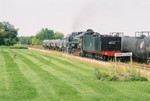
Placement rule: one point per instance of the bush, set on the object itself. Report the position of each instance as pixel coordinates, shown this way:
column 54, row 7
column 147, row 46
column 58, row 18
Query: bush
column 97, row 74
column 104, row 76
column 18, row 47
column 114, row 78
column 138, row 79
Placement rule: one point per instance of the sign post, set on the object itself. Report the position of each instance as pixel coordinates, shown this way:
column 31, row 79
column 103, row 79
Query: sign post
column 123, row 55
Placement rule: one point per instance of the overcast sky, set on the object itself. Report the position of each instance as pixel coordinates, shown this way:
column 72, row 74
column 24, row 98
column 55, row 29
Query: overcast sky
column 103, row 16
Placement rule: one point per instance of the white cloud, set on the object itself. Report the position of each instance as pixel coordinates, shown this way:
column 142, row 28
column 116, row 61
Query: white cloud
column 146, row 2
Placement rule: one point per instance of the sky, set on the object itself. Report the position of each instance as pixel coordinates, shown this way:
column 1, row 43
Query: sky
column 66, row 16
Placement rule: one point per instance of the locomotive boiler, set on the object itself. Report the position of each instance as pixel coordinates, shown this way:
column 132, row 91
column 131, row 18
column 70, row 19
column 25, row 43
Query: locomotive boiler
column 74, row 43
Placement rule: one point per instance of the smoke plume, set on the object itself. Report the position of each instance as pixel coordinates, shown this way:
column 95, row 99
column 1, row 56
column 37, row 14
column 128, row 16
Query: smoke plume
column 84, row 16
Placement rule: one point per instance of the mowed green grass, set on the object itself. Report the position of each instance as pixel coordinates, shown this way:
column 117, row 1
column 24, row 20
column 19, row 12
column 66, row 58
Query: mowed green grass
column 37, row 76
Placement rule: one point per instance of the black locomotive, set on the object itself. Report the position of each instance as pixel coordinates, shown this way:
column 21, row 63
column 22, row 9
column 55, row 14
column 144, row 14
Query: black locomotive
column 87, row 44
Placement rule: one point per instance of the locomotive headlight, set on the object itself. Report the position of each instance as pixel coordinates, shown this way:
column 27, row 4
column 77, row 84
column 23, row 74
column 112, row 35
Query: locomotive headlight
column 72, row 45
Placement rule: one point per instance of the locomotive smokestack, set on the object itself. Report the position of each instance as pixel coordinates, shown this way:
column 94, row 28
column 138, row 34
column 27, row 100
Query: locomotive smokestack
column 78, row 23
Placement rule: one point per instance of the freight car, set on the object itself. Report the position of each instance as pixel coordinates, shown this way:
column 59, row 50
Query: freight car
column 46, row 43
column 138, row 45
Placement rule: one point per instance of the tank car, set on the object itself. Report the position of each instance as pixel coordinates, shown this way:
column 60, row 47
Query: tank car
column 56, row 44
column 52, row 44
column 138, row 45
column 46, row 43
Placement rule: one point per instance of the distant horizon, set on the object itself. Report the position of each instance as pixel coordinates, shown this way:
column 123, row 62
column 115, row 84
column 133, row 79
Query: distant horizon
column 67, row 16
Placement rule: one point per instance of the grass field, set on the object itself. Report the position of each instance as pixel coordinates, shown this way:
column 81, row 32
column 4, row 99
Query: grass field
column 37, row 76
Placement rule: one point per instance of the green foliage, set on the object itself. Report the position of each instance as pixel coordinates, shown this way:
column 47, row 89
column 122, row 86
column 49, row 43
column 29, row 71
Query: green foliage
column 8, row 34
column 136, row 78
column 45, row 33
column 18, row 47
column 13, row 47
column 29, row 40
column 114, row 78
column 25, row 40
column 58, row 35
column 100, row 75
column 36, row 41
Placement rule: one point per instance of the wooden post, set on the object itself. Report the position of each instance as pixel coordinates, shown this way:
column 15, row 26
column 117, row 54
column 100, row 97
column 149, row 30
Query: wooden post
column 131, row 64
column 115, row 64
column 123, row 55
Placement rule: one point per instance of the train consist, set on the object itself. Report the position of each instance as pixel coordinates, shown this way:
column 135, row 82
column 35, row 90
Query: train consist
column 102, row 47
column 87, row 44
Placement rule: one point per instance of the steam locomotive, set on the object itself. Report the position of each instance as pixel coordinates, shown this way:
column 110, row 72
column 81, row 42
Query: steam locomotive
column 87, row 44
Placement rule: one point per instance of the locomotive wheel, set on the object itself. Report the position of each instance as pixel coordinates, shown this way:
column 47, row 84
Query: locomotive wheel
column 93, row 56
column 105, row 58
column 148, row 62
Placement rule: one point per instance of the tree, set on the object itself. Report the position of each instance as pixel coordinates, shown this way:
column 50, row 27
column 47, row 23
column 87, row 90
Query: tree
column 45, row 33
column 36, row 41
column 8, row 34
column 25, row 40
column 58, row 35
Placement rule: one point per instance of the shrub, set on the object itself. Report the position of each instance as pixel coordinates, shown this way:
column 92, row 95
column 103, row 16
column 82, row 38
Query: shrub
column 134, row 78
column 114, row 78
column 104, row 76
column 18, row 47
column 97, row 74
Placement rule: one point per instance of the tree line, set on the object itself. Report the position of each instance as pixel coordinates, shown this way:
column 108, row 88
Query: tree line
column 43, row 34
column 8, row 35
